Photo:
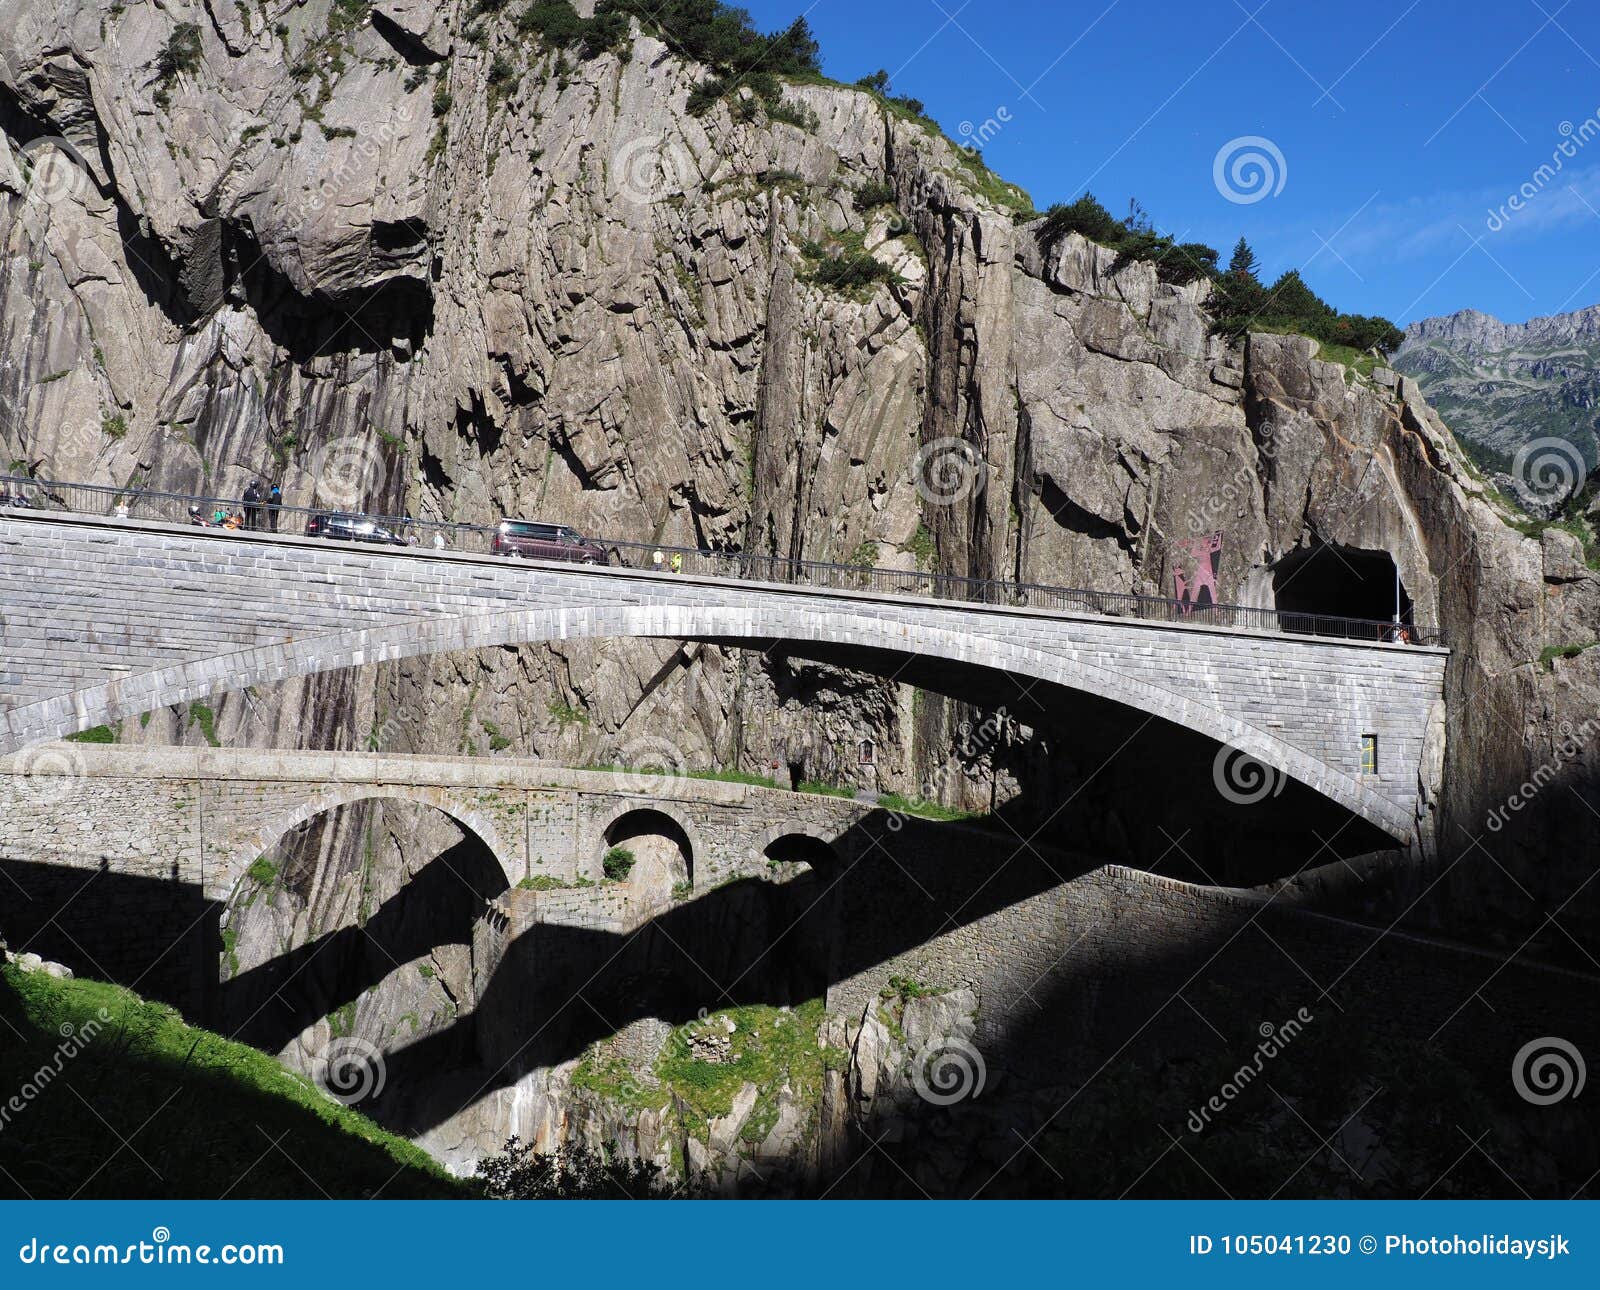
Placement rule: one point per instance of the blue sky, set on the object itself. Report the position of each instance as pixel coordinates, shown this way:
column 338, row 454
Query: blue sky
column 1401, row 127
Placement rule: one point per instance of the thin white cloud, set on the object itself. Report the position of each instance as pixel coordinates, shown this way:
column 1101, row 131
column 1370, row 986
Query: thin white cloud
column 1523, row 209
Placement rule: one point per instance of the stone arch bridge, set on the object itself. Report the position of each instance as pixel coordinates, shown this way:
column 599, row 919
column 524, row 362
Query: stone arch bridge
column 120, row 860
column 101, row 620
column 200, row 816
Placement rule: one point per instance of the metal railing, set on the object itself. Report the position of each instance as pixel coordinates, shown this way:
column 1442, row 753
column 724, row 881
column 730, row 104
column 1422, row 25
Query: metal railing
column 232, row 514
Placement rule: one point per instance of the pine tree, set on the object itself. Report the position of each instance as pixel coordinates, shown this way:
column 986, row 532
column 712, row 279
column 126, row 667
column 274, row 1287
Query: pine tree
column 1244, row 263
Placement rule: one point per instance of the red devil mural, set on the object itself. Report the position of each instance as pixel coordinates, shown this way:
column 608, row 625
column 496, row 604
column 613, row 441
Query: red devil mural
column 1200, row 588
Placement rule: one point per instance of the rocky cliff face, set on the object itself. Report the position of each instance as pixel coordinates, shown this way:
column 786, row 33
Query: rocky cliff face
column 394, row 258
column 1503, row 385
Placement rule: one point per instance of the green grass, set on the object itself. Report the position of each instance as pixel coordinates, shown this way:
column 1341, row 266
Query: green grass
column 1550, row 653
column 202, row 715
column 567, row 715
column 907, row 988
column 617, row 864
column 200, row 1110
column 769, row 1047
column 542, row 882
column 925, row 809
column 95, row 735
column 733, row 777
column 992, row 188
column 1358, row 360
column 1533, row 527
column 262, row 872
column 842, row 263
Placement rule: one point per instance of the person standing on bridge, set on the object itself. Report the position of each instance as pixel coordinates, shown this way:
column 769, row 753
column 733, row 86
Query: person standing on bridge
column 676, row 563
column 274, row 504
column 252, row 506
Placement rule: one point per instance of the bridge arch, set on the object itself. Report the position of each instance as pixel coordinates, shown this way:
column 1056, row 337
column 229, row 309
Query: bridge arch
column 869, row 641
column 650, row 819
column 799, row 844
column 283, row 822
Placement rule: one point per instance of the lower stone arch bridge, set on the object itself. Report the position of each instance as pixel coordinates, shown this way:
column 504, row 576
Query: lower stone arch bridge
column 201, row 816
column 101, row 620
column 165, row 835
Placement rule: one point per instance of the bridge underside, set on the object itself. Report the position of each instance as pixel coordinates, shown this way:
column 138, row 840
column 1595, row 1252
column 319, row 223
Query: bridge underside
column 1127, row 784
column 103, row 621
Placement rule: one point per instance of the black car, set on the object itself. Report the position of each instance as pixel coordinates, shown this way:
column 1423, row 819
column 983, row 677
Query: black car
column 344, row 527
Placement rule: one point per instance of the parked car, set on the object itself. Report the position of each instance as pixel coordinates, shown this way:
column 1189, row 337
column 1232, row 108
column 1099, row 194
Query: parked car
column 345, row 527
column 533, row 540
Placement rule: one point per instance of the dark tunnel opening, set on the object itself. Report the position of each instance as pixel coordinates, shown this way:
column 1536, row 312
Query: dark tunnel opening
column 1340, row 582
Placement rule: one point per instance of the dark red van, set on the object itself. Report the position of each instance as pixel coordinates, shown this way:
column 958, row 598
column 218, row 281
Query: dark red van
column 533, row 540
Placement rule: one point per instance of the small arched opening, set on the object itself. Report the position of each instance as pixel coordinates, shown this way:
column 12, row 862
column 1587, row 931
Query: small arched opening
column 1339, row 581
column 792, row 853
column 662, row 854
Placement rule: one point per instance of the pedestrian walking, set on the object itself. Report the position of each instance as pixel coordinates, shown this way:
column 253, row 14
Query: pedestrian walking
column 274, row 503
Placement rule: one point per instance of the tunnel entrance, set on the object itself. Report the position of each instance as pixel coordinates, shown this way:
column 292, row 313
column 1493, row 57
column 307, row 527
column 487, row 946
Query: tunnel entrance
column 1340, row 582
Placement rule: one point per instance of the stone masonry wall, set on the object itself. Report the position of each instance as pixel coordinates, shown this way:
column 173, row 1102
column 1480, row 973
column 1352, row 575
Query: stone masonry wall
column 1071, row 966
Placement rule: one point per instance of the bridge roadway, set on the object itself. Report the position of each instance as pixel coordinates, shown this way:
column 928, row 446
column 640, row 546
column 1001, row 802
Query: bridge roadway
column 101, row 620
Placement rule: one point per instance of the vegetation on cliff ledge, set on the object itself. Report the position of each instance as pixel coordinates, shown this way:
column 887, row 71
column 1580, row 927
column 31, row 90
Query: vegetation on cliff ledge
column 1240, row 302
